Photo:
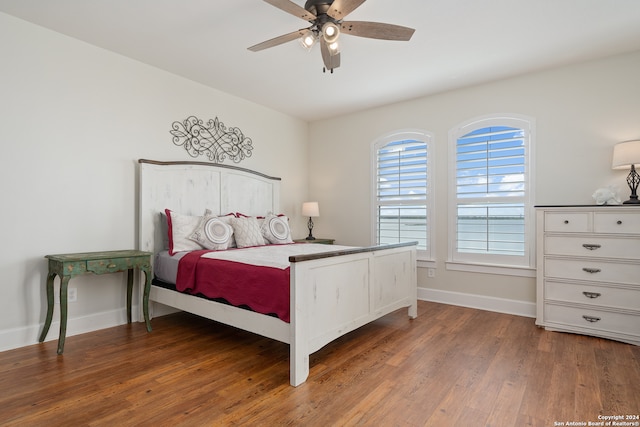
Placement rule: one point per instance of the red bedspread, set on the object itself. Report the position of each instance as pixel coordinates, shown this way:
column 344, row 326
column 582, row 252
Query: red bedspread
column 263, row 289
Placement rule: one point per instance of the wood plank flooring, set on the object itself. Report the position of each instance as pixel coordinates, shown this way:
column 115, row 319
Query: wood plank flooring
column 452, row 366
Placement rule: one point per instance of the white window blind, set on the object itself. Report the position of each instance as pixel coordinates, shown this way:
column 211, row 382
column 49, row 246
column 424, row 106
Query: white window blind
column 402, row 192
column 491, row 193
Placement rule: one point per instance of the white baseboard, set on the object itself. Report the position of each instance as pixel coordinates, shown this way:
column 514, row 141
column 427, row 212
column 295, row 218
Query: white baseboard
column 28, row 335
column 500, row 305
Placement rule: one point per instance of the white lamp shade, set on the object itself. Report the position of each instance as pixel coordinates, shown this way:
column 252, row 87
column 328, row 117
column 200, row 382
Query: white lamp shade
column 626, row 154
column 310, row 209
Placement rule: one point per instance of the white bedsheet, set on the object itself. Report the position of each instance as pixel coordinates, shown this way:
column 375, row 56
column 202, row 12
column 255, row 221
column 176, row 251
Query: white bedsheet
column 275, row 256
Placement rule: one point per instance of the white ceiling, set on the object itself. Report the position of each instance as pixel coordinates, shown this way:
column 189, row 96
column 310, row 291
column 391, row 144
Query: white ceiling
column 457, row 43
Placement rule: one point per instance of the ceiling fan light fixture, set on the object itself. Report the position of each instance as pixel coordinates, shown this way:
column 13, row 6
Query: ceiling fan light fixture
column 330, row 32
column 334, row 48
column 327, row 22
column 308, row 39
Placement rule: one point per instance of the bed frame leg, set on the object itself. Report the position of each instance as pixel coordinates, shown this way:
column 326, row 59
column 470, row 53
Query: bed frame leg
column 413, row 310
column 299, row 335
column 299, row 369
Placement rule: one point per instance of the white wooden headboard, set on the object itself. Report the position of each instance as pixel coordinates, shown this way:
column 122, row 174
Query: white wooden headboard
column 191, row 187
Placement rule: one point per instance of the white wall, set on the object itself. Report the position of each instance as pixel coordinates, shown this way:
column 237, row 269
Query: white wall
column 74, row 119
column 581, row 111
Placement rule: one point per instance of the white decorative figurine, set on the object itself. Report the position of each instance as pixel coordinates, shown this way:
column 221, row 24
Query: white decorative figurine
column 606, row 196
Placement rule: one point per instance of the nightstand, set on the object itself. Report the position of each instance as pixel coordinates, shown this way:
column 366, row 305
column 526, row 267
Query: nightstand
column 316, row 240
column 67, row 266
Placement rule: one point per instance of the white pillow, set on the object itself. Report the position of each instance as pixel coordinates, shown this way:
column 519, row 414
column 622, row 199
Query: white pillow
column 247, row 232
column 180, row 228
column 213, row 233
column 275, row 229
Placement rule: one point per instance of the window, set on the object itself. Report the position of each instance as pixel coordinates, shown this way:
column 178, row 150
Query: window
column 490, row 190
column 402, row 190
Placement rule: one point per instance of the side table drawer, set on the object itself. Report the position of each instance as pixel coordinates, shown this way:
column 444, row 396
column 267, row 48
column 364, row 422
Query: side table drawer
column 592, row 294
column 593, row 319
column 101, row 266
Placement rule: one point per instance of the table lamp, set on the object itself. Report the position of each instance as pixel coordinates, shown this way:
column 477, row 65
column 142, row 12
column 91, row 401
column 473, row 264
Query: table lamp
column 310, row 209
column 627, row 155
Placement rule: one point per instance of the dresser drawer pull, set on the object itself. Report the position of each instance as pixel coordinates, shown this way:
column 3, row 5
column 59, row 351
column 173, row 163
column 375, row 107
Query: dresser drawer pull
column 591, row 294
column 591, row 270
column 566, row 221
column 591, row 319
column 591, row 246
column 111, row 266
column 619, row 222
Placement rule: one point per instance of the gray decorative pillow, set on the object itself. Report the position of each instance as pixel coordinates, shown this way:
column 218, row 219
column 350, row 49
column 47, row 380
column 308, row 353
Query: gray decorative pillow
column 247, row 232
column 213, row 233
column 275, row 229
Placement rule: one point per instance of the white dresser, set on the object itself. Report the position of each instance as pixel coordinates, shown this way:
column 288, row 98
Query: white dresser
column 588, row 270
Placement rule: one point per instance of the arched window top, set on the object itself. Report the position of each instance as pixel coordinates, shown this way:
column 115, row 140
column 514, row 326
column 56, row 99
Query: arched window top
column 402, row 195
column 490, row 190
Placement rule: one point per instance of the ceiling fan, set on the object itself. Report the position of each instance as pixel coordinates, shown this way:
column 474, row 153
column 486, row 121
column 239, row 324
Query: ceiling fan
column 326, row 18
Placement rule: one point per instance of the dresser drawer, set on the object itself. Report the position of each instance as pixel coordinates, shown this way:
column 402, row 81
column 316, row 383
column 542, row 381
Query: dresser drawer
column 567, row 222
column 593, row 271
column 617, row 222
column 598, row 247
column 600, row 320
column 592, row 294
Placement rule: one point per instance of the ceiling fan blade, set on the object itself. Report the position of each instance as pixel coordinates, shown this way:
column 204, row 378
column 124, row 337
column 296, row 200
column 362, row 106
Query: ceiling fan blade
column 339, row 9
column 292, row 8
column 330, row 61
column 377, row 30
column 278, row 40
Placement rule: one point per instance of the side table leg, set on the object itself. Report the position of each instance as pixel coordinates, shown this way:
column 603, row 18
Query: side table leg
column 64, row 283
column 129, row 293
column 145, row 297
column 50, row 303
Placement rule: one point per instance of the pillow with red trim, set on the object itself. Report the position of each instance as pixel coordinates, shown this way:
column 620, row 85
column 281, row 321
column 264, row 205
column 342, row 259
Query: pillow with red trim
column 275, row 229
column 180, row 228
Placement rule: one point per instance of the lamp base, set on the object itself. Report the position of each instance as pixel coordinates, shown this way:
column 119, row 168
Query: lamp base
column 310, row 226
column 633, row 179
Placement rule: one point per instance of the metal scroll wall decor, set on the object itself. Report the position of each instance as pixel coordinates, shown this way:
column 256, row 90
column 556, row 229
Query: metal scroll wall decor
column 212, row 139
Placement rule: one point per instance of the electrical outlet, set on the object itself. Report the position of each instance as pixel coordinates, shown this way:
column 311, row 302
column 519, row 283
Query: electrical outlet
column 431, row 272
column 72, row 295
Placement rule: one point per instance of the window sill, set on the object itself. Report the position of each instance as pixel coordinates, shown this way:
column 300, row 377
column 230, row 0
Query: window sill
column 506, row 270
column 425, row 263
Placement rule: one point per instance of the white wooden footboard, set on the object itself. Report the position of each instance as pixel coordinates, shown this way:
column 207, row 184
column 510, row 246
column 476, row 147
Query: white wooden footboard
column 333, row 295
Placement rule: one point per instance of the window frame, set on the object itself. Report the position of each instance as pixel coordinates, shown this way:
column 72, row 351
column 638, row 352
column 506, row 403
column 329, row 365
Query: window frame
column 427, row 138
column 493, row 263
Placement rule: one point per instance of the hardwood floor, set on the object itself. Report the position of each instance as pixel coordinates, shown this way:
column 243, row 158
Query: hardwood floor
column 451, row 366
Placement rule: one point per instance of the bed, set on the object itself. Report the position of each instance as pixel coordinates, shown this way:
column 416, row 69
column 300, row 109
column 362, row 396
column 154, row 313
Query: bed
column 330, row 293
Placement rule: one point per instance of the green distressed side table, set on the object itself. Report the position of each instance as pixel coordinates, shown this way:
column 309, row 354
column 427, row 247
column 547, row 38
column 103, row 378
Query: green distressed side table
column 67, row 266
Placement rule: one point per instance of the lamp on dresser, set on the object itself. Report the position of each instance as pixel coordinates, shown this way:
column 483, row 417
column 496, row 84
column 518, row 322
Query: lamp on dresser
column 310, row 209
column 627, row 155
